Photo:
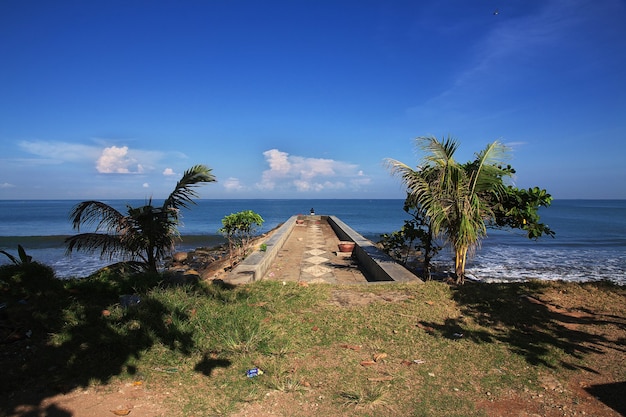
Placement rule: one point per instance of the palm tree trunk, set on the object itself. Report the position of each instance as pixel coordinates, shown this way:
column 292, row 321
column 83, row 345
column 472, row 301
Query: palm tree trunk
column 428, row 252
column 152, row 264
column 427, row 257
column 459, row 264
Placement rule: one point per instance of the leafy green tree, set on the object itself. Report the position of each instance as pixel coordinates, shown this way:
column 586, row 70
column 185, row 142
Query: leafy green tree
column 459, row 200
column 424, row 233
column 516, row 208
column 414, row 237
column 519, row 209
column 239, row 229
column 145, row 233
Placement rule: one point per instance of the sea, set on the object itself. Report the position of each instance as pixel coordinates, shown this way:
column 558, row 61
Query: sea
column 590, row 241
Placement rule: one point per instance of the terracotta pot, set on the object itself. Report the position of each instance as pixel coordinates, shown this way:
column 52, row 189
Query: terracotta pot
column 346, row 246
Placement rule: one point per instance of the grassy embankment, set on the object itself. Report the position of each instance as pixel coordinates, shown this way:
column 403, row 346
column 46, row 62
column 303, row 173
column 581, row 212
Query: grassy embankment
column 404, row 350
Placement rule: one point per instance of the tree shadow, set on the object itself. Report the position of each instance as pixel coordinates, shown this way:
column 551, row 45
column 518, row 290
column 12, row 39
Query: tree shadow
column 613, row 395
column 209, row 363
column 515, row 315
column 88, row 335
column 50, row 411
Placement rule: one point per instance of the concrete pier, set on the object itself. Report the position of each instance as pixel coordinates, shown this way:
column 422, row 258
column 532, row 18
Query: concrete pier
column 305, row 249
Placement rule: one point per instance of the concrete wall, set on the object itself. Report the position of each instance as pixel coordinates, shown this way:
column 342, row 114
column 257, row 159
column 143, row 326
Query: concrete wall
column 255, row 265
column 377, row 265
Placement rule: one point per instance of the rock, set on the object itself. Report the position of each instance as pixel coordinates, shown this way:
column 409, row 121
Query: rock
column 549, row 383
column 180, row 256
column 182, row 277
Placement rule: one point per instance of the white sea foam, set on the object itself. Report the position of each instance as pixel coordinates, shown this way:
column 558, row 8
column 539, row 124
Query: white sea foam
column 502, row 264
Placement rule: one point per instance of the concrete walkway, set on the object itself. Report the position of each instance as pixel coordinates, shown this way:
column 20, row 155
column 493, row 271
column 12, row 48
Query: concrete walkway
column 310, row 254
column 305, row 249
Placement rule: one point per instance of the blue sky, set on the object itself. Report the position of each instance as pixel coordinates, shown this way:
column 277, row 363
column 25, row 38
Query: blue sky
column 305, row 99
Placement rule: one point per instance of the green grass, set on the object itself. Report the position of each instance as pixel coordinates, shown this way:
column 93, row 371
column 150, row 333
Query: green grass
column 197, row 339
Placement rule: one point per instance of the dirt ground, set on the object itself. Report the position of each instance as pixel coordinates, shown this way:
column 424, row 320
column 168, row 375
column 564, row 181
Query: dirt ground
column 139, row 400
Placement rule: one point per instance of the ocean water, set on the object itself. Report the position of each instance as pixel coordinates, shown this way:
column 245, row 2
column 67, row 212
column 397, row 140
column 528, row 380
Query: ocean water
column 590, row 242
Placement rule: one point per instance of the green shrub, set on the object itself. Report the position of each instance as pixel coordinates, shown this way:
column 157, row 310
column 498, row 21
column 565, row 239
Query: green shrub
column 28, row 279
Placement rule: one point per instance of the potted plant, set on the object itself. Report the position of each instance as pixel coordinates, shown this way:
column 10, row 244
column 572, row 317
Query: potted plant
column 346, row 246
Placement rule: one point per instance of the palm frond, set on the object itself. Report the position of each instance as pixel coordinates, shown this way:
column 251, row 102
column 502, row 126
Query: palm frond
column 11, row 257
column 104, row 217
column 401, row 170
column 485, row 171
column 184, row 192
column 108, row 246
column 438, row 153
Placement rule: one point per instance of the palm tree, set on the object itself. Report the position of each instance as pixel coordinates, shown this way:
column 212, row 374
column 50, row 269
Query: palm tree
column 145, row 233
column 456, row 198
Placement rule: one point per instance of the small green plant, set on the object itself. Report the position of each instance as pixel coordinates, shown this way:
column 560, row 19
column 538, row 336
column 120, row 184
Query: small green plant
column 263, row 247
column 281, row 376
column 364, row 396
column 28, row 279
column 25, row 277
column 239, row 229
column 241, row 334
column 23, row 258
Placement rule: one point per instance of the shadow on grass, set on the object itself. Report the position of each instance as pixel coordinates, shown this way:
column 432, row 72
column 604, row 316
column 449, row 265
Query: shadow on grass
column 85, row 332
column 514, row 314
column 208, row 364
column 613, row 395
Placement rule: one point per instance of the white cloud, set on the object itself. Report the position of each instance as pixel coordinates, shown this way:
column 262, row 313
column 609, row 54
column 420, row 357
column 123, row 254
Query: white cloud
column 114, row 160
column 146, row 185
column 6, row 185
column 61, row 151
column 233, row 184
column 278, row 161
column 361, row 179
column 168, row 172
column 308, row 174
